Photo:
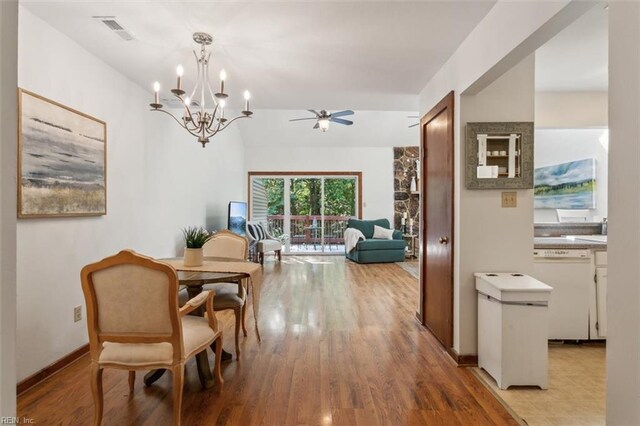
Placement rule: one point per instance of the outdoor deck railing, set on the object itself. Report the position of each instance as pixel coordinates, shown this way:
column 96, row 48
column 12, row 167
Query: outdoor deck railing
column 307, row 229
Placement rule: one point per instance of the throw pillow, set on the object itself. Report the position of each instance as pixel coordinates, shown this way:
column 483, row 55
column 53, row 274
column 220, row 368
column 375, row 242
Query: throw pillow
column 382, row 233
column 256, row 231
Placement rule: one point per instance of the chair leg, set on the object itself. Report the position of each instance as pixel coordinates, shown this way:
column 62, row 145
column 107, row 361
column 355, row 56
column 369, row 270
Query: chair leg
column 217, row 371
column 279, row 255
column 238, row 316
column 261, row 258
column 244, row 315
column 96, row 390
column 132, row 381
column 178, row 381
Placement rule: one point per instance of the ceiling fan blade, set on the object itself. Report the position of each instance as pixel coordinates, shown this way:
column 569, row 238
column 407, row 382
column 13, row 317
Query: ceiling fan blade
column 300, row 119
column 342, row 113
column 341, row 121
column 313, row 111
column 317, row 126
column 414, row 125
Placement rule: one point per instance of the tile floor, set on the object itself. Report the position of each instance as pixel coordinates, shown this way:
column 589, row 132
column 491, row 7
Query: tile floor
column 576, row 394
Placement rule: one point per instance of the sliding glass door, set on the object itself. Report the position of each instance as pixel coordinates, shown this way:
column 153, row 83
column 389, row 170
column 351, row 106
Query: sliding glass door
column 309, row 212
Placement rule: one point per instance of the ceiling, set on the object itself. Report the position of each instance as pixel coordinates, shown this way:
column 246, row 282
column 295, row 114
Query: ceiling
column 369, row 129
column 363, row 55
column 577, row 58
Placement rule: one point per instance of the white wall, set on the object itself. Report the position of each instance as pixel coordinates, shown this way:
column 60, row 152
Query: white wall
column 623, row 294
column 509, row 33
column 555, row 146
column 8, row 120
column 275, row 144
column 159, row 179
column 571, row 110
column 492, row 238
column 376, row 165
column 369, row 129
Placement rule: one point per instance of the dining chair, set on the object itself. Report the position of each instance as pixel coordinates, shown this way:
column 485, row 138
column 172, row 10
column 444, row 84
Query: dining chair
column 229, row 296
column 134, row 323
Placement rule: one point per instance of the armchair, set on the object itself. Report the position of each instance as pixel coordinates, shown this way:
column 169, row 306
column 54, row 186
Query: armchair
column 229, row 296
column 372, row 250
column 134, row 323
column 264, row 242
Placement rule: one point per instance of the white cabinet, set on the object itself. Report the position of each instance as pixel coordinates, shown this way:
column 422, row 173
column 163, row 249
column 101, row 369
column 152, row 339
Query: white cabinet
column 598, row 308
column 570, row 273
column 513, row 323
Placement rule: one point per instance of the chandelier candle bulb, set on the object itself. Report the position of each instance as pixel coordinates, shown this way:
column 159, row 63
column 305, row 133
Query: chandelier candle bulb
column 223, row 77
column 156, row 89
column 185, row 116
column 222, row 104
column 247, row 96
column 180, row 72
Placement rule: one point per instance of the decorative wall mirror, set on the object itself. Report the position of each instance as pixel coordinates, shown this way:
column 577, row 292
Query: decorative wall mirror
column 499, row 155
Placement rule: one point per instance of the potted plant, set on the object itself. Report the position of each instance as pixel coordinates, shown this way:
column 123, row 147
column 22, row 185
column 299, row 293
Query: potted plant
column 194, row 238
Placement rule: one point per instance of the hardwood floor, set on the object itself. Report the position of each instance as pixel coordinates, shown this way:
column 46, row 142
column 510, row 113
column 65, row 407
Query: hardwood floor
column 340, row 345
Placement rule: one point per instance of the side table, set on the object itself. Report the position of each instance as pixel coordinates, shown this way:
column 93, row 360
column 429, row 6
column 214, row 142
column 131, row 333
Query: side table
column 412, row 245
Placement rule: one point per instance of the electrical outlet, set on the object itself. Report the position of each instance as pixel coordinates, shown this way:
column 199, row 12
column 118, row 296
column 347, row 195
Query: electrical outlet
column 77, row 313
column 510, row 199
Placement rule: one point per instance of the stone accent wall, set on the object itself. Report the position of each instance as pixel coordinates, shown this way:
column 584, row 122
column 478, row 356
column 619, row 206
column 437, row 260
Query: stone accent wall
column 404, row 166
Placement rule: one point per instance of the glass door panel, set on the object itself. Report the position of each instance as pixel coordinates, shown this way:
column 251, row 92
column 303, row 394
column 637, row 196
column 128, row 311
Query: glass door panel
column 340, row 204
column 309, row 212
column 267, row 204
column 305, row 218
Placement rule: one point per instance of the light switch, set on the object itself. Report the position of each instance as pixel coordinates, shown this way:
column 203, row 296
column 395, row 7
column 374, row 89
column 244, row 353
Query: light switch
column 510, row 199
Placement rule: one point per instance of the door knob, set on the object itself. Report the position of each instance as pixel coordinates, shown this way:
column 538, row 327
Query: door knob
column 443, row 240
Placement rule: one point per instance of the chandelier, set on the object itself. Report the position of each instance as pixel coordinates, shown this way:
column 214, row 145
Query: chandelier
column 203, row 114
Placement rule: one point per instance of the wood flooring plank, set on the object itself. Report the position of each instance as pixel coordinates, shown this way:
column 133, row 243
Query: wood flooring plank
column 340, row 346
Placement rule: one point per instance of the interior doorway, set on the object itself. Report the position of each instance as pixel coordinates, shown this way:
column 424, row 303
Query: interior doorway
column 436, row 254
column 309, row 211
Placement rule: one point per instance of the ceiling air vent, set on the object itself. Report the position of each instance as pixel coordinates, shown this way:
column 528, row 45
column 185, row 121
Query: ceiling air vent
column 115, row 27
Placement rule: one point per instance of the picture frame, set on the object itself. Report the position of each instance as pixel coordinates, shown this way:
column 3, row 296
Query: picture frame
column 569, row 185
column 62, row 160
column 506, row 148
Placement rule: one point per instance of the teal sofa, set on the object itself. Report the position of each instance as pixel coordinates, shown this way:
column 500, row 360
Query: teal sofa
column 373, row 250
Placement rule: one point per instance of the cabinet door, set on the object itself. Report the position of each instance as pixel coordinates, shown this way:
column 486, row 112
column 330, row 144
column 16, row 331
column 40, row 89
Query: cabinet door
column 601, row 300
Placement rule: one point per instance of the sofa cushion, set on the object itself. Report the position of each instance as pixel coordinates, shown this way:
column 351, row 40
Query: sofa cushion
column 376, row 256
column 269, row 245
column 372, row 244
column 382, row 233
column 196, row 333
column 256, row 231
column 366, row 226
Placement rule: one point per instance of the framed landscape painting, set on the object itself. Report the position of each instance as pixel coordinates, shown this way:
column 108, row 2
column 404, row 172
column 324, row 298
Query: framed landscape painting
column 569, row 185
column 61, row 160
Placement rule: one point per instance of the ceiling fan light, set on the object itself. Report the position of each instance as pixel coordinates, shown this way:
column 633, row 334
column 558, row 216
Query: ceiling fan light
column 323, row 123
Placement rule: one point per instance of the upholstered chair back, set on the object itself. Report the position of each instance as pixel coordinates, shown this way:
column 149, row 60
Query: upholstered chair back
column 226, row 244
column 131, row 298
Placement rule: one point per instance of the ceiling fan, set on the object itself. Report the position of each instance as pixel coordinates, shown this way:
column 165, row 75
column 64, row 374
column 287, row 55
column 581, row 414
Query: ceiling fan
column 323, row 118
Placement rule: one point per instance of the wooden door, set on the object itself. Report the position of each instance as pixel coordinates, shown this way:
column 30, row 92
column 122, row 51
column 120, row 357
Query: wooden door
column 436, row 278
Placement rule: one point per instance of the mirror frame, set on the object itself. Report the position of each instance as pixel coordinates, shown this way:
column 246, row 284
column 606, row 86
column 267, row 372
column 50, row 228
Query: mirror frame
column 525, row 180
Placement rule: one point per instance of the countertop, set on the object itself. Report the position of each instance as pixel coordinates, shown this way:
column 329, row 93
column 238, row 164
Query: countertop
column 567, row 243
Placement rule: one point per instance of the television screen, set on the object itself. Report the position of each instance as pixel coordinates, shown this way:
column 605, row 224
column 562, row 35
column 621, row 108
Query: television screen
column 237, row 217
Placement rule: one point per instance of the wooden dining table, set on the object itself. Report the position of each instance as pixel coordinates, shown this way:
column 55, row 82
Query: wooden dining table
column 194, row 282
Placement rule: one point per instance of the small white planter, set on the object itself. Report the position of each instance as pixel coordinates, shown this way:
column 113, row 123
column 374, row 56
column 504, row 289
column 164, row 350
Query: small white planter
column 193, row 257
